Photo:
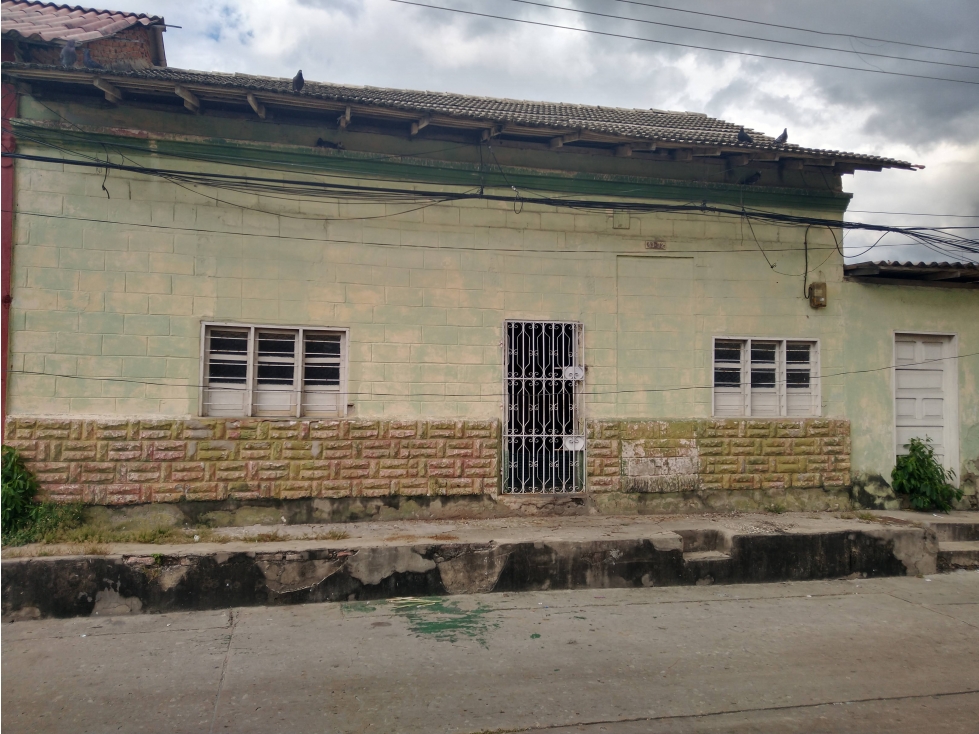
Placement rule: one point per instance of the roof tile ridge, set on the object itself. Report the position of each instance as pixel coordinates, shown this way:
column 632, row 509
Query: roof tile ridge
column 76, row 8
column 487, row 98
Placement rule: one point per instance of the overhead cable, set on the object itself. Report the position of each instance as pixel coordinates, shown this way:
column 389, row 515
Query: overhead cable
column 739, row 35
column 470, row 396
column 796, row 28
column 254, row 184
column 627, row 37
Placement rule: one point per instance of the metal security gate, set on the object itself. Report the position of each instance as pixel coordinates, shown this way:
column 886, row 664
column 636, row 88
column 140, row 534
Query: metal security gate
column 544, row 437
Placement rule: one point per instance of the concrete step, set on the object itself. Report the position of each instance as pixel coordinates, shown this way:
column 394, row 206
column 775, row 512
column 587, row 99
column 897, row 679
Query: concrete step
column 958, row 554
column 396, row 559
column 957, row 531
column 955, row 526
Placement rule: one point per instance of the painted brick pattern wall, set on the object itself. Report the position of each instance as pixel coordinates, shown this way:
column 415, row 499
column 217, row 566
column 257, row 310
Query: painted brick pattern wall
column 135, row 461
column 731, row 454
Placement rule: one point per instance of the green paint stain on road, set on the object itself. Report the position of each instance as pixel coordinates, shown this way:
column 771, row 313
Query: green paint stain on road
column 535, row 636
column 361, row 606
column 445, row 620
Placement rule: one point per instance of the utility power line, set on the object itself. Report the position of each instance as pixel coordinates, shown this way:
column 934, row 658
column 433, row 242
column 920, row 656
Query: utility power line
column 928, row 236
column 796, row 28
column 481, row 396
column 627, row 37
column 738, row 35
column 915, row 214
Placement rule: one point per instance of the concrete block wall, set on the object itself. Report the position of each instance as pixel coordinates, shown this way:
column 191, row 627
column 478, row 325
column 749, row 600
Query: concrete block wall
column 106, row 316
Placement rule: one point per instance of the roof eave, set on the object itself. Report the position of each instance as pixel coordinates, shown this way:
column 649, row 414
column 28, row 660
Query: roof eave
column 225, row 93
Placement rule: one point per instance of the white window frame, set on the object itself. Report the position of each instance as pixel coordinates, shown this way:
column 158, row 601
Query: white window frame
column 252, row 359
column 815, row 375
column 950, row 387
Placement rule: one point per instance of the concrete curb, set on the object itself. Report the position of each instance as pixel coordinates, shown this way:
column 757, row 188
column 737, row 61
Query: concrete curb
column 34, row 588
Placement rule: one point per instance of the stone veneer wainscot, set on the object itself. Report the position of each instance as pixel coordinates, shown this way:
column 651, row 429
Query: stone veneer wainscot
column 116, row 462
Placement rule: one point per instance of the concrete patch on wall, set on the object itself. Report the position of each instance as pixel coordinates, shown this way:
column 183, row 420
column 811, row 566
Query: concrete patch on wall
column 288, row 572
column 470, row 569
column 660, row 465
column 916, row 548
column 705, row 464
column 370, row 566
column 109, row 602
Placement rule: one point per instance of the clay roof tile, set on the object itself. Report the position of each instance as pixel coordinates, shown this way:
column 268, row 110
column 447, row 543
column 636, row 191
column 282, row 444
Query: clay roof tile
column 33, row 20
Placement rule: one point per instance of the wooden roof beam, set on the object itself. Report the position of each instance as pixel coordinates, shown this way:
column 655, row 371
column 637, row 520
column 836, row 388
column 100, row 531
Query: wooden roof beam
column 344, row 119
column 944, row 275
column 417, row 125
column 562, row 139
column 191, row 102
column 112, row 93
column 490, row 132
column 864, row 270
column 256, row 106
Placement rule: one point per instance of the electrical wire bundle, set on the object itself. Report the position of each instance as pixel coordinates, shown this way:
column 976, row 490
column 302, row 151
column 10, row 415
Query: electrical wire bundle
column 940, row 240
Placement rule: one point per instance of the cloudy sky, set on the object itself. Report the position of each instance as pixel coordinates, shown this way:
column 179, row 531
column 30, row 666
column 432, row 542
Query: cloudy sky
column 384, row 43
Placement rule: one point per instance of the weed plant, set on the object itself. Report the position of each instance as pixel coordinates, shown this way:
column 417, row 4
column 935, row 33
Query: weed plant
column 919, row 475
column 24, row 519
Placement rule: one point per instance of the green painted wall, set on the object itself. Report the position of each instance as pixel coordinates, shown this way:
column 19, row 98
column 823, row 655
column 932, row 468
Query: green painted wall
column 110, row 290
column 874, row 313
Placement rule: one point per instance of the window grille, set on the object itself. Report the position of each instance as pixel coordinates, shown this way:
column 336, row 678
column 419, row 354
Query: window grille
column 765, row 378
column 544, row 437
column 271, row 371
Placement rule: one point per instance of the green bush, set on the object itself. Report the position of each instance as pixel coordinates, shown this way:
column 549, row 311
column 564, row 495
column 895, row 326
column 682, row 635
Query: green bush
column 921, row 476
column 23, row 519
column 19, row 488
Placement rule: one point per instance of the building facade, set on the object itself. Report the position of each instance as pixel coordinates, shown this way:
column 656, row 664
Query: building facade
column 228, row 290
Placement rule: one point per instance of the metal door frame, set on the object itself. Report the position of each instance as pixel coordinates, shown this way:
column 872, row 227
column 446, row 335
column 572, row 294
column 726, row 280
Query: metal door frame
column 578, row 405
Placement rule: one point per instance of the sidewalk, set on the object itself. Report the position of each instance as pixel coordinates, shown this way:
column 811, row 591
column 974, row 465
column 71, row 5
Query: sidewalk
column 291, row 564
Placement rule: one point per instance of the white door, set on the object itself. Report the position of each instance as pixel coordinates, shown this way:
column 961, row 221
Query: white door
column 921, row 399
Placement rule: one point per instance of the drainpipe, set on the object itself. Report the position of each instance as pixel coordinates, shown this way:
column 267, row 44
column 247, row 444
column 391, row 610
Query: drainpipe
column 7, row 225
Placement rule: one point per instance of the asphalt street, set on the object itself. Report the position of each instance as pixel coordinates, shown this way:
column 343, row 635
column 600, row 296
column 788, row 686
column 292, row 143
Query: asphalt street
column 884, row 655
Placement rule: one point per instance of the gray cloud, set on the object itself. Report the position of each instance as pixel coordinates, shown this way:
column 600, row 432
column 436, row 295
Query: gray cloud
column 381, row 43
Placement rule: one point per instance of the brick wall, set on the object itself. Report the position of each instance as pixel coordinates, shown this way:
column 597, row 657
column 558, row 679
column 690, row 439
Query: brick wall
column 709, row 455
column 128, row 49
column 133, row 461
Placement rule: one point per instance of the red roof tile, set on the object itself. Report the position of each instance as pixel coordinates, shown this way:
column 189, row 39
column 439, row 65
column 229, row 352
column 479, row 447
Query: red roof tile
column 50, row 22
